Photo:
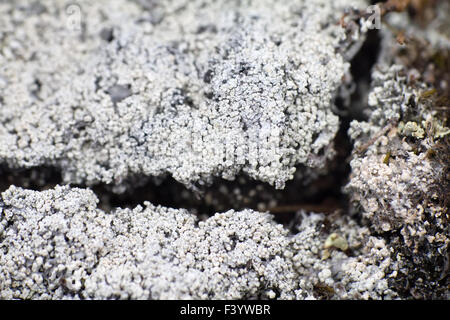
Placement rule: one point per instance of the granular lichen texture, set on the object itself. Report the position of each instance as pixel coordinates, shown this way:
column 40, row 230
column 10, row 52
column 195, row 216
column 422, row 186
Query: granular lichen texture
column 193, row 89
column 213, row 149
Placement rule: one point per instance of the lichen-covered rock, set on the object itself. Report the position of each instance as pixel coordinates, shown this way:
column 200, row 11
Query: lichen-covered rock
column 194, row 89
column 399, row 180
column 359, row 272
column 57, row 244
column 120, row 92
column 386, row 174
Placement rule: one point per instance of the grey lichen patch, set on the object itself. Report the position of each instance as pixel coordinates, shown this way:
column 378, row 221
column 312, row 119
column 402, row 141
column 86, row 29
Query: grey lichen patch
column 57, row 244
column 361, row 276
column 210, row 90
column 193, row 89
column 405, row 196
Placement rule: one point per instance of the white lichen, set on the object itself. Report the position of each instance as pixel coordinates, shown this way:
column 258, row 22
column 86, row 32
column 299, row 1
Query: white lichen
column 196, row 89
column 57, row 244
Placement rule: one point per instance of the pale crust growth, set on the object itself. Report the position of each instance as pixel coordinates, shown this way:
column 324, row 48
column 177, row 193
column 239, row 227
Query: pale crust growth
column 193, row 89
column 163, row 100
column 397, row 186
column 56, row 244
